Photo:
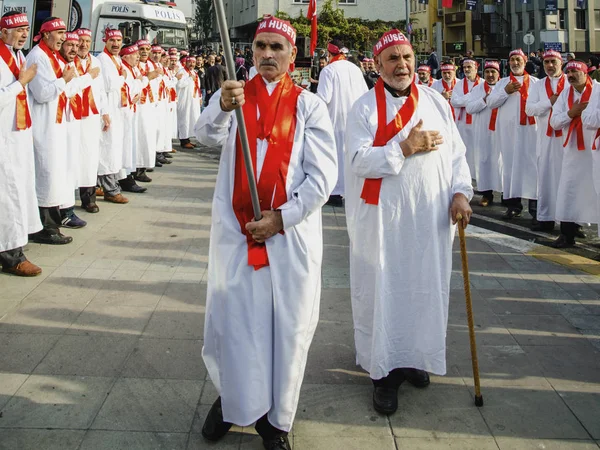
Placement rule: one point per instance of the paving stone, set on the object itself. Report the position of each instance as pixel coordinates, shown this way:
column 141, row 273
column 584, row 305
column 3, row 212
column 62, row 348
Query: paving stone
column 21, row 353
column 230, row 442
column 58, row 401
column 584, row 402
column 9, row 384
column 150, row 405
column 446, row 443
column 342, row 442
column 175, row 324
column 40, row 318
column 544, row 444
column 87, row 355
column 130, row 440
column 579, row 362
column 110, row 320
column 30, row 439
column 543, row 330
column 130, row 293
column 336, row 305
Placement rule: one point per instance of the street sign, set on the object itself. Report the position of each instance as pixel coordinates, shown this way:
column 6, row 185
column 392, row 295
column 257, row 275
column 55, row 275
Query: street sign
column 558, row 46
column 528, row 39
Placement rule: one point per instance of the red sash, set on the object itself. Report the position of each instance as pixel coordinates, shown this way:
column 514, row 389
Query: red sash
column 62, row 98
column 338, row 57
column 125, row 99
column 23, row 118
column 386, row 131
column 74, row 102
column 596, row 138
column 494, row 116
column 576, row 124
column 128, row 100
column 89, row 104
column 277, row 124
column 469, row 118
column 429, row 83
column 196, row 79
column 524, row 92
column 450, row 89
column 147, row 91
column 559, row 89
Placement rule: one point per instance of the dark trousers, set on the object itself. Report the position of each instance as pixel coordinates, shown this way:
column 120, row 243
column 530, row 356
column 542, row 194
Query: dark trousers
column 127, row 183
column 51, row 219
column 182, row 142
column 532, row 208
column 569, row 229
column 393, row 380
column 489, row 195
column 87, row 195
column 266, row 430
column 513, row 203
column 10, row 258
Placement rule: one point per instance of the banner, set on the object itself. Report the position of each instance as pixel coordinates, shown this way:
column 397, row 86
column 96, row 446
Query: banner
column 471, row 5
column 312, row 15
column 551, row 6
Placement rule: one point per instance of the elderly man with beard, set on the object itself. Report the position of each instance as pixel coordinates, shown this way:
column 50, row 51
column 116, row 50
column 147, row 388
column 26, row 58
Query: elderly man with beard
column 408, row 179
column 577, row 199
column 164, row 144
column 516, row 136
column 446, row 84
column 18, row 202
column 488, row 164
column 424, row 74
column 94, row 121
column 189, row 98
column 549, row 151
column 264, row 280
column 48, row 104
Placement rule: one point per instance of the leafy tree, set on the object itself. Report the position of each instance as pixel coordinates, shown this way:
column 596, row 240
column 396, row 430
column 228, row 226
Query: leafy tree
column 203, row 19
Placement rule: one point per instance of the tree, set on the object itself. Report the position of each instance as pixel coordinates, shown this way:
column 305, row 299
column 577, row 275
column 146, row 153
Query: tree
column 203, row 19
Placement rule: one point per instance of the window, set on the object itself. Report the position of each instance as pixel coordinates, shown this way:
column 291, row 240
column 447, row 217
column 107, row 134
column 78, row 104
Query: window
column 519, row 22
column 562, row 17
column 597, row 19
column 531, row 20
column 301, row 1
column 347, row 2
column 580, row 19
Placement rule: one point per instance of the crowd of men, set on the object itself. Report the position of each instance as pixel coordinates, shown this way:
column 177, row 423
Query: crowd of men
column 76, row 125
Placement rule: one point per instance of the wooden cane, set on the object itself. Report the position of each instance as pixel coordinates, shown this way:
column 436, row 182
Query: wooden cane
column 467, row 286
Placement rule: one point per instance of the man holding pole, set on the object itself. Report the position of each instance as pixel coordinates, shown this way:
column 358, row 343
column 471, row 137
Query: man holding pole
column 264, row 278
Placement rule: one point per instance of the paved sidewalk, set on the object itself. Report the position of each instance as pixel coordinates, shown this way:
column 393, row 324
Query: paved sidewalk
column 103, row 350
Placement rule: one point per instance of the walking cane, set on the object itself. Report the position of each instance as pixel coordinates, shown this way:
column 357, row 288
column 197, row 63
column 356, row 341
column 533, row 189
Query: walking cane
column 465, row 271
column 239, row 114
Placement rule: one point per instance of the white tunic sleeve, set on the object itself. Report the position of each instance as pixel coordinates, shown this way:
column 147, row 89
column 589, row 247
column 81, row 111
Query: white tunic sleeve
column 461, row 175
column 538, row 103
column 325, row 86
column 113, row 81
column 8, row 93
column 476, row 102
column 459, row 99
column 591, row 115
column 212, row 128
column 44, row 87
column 498, row 96
column 560, row 118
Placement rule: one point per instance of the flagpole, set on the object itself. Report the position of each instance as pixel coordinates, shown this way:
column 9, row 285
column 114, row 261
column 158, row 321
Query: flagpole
column 239, row 114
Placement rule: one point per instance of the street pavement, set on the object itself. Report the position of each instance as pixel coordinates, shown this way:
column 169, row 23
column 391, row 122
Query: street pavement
column 103, row 350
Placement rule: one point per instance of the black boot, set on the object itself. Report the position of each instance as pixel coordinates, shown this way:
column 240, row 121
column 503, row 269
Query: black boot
column 385, row 392
column 214, row 426
column 273, row 438
column 418, row 378
column 140, row 175
column 128, row 184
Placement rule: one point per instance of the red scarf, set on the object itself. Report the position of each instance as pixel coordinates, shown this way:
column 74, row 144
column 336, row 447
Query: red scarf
column 74, row 102
column 129, row 100
column 277, row 124
column 576, row 124
column 22, row 116
column 147, row 93
column 429, row 83
column 125, row 99
column 386, row 131
column 559, row 89
column 494, row 116
column 196, row 79
column 448, row 88
column 338, row 57
column 468, row 118
column 62, row 98
column 524, row 91
column 89, row 104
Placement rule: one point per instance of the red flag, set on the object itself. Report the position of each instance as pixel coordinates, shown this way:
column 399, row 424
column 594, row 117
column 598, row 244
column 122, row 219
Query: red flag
column 312, row 15
column 446, row 3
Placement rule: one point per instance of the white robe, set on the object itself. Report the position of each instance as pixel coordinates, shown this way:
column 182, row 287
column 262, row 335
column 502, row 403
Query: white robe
column 18, row 203
column 188, row 105
column 163, row 117
column 148, row 121
column 91, row 130
column 111, row 142
column 131, row 118
column 488, row 161
column 549, row 150
column 517, row 143
column 259, row 324
column 591, row 119
column 170, row 120
column 53, row 184
column 577, row 199
column 340, row 84
column 401, row 249
column 467, row 132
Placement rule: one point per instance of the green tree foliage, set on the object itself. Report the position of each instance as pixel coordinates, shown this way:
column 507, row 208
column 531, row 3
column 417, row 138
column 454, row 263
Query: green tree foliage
column 357, row 34
column 203, row 18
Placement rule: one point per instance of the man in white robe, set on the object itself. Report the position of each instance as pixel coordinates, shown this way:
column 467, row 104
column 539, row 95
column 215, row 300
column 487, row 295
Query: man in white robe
column 95, row 120
column 111, row 142
column 405, row 187
column 48, row 102
column 264, row 281
column 18, row 203
column 577, row 200
column 460, row 99
column 341, row 83
column 591, row 119
column 188, row 96
column 424, row 74
column 488, row 162
column 549, row 152
column 164, row 146
column 446, row 84
column 516, row 135
column 174, row 76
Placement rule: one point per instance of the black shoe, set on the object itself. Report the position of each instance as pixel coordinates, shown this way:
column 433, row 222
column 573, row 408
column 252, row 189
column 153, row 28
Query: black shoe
column 511, row 213
column 157, row 164
column 335, row 200
column 91, row 208
column 43, row 237
column 161, row 159
column 277, row 443
column 143, row 178
column 418, row 378
column 542, row 226
column 134, row 188
column 167, row 155
column 214, row 427
column 563, row 242
column 385, row 400
column 149, row 170
column 579, row 232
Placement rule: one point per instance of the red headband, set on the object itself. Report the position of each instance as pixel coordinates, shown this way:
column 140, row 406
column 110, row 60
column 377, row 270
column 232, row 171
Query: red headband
column 275, row 25
column 110, row 34
column 333, row 49
column 52, row 25
column 173, row 57
column 390, row 39
column 71, row 37
column 14, row 21
column 424, row 69
column 130, row 49
column 492, row 65
column 143, row 43
column 518, row 52
column 172, row 51
column 576, row 65
column 157, row 48
column 448, row 68
column 470, row 61
column 83, row 32
column 552, row 54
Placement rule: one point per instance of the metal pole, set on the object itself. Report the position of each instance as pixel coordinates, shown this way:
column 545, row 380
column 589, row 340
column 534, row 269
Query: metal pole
column 239, row 114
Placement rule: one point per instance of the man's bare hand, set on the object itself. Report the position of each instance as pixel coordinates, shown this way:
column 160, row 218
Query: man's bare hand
column 123, row 73
column 511, row 88
column 553, row 99
column 232, row 95
column 153, row 74
column 105, row 122
column 94, row 72
column 421, row 141
column 270, row 224
column 179, row 76
column 68, row 73
column 136, row 98
column 577, row 109
column 27, row 74
column 460, row 205
column 447, row 95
